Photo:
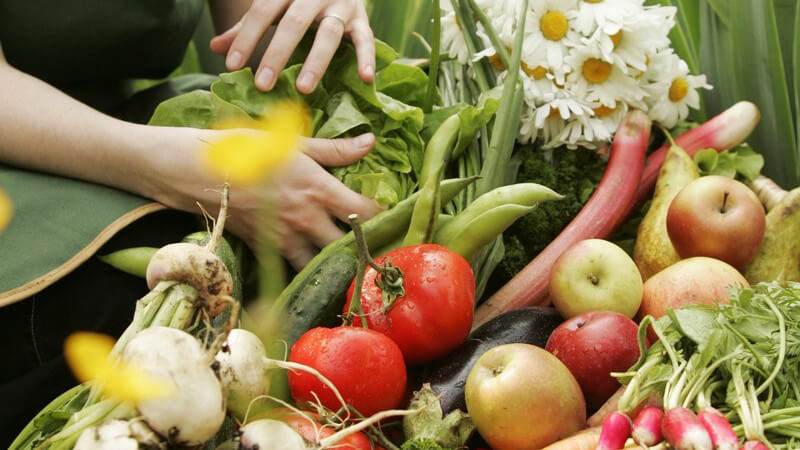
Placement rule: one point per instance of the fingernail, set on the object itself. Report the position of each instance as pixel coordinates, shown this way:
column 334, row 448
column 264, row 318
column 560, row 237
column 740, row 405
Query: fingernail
column 365, row 140
column 234, row 60
column 306, row 82
column 265, row 78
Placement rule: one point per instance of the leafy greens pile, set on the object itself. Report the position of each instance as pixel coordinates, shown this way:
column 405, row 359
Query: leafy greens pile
column 341, row 106
column 743, row 359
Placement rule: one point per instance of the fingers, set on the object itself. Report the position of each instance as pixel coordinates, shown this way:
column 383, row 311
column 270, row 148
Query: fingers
column 364, row 42
column 253, row 26
column 290, row 31
column 222, row 43
column 297, row 250
column 340, row 201
column 338, row 152
column 326, row 42
column 323, row 231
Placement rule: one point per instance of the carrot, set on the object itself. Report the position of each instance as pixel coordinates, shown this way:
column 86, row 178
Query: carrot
column 583, row 440
column 604, row 211
column 725, row 130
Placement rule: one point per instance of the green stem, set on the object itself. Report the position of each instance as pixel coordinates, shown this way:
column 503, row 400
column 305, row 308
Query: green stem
column 468, row 29
column 433, row 70
column 492, row 33
column 781, row 352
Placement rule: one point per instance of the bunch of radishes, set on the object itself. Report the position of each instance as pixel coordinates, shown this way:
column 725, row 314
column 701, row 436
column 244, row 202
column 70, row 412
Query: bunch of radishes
column 678, row 427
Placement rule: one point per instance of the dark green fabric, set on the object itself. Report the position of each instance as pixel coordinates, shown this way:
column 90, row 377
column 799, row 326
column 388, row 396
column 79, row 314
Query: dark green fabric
column 55, row 218
column 89, row 48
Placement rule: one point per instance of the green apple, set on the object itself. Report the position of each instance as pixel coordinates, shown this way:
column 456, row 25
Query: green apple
column 595, row 275
column 522, row 397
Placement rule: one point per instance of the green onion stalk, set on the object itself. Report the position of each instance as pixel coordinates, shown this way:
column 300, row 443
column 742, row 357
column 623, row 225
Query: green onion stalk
column 489, row 155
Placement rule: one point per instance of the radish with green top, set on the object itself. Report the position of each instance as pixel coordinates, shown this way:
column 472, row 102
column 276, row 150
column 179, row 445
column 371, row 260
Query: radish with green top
column 719, row 429
column 196, row 409
column 684, row 431
column 615, row 431
column 647, row 426
column 754, row 445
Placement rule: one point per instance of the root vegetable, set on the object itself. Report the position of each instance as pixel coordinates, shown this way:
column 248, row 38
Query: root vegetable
column 767, row 191
column 117, row 435
column 270, row 434
column 647, row 426
column 684, row 431
column 196, row 409
column 754, row 445
column 242, row 371
column 605, row 210
column 196, row 266
column 719, row 429
column 615, row 431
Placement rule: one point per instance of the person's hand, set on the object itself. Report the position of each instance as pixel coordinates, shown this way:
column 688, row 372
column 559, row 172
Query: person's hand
column 296, row 208
column 335, row 18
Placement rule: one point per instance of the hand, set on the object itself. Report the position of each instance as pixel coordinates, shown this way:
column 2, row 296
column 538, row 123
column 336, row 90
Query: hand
column 335, row 18
column 295, row 209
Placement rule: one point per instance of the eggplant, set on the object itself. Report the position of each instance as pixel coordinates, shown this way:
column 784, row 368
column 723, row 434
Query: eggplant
column 448, row 376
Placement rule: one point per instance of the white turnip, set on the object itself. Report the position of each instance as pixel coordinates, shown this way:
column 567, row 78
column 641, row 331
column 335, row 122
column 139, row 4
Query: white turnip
column 241, row 368
column 270, row 434
column 117, row 435
column 195, row 410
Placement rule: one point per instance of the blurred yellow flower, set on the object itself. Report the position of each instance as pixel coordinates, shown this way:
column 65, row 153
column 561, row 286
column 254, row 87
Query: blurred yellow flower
column 6, row 210
column 248, row 156
column 88, row 355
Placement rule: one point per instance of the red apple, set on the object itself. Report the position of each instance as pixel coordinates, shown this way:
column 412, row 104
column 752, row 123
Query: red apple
column 692, row 281
column 717, row 217
column 592, row 345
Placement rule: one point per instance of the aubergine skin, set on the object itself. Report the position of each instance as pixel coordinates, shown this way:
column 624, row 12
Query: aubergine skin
column 448, row 375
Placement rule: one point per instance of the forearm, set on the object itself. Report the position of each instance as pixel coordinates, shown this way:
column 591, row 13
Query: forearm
column 43, row 129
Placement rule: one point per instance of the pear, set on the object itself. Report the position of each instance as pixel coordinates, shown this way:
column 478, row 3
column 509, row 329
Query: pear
column 653, row 250
column 778, row 257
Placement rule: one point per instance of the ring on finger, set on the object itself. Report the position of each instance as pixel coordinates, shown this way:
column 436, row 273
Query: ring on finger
column 337, row 17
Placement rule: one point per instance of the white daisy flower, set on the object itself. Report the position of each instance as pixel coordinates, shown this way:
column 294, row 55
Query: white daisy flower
column 596, row 80
column 672, row 90
column 608, row 15
column 591, row 131
column 644, row 31
column 503, row 14
column 553, row 116
column 548, row 35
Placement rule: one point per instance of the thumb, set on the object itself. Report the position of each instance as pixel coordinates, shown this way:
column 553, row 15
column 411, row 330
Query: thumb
column 338, row 152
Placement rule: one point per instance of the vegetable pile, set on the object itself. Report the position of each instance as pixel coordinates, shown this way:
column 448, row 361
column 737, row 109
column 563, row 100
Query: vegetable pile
column 688, row 340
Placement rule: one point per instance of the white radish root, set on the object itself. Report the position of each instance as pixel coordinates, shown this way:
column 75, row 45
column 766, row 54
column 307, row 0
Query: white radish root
column 270, row 434
column 196, row 409
column 241, row 368
column 117, row 435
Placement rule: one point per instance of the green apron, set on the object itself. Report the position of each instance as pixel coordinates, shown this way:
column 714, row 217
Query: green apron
column 90, row 49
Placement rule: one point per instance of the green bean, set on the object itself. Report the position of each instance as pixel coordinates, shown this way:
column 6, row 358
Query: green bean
column 521, row 194
column 379, row 231
column 130, row 260
column 484, row 228
column 428, row 206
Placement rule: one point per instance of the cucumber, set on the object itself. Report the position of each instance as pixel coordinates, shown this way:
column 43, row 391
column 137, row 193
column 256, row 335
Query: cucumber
column 315, row 297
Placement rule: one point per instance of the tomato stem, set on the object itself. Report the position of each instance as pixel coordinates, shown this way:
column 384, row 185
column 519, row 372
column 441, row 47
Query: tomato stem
column 389, row 281
column 363, row 260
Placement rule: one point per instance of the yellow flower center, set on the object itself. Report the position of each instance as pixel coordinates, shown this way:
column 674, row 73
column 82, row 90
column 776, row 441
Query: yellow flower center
column 603, row 111
column 593, row 1
column 678, row 89
column 537, row 72
column 554, row 25
column 616, row 37
column 554, row 113
column 596, row 70
column 495, row 61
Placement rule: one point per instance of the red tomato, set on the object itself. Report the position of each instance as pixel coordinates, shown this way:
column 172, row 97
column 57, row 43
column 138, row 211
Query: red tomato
column 313, row 431
column 435, row 314
column 365, row 366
